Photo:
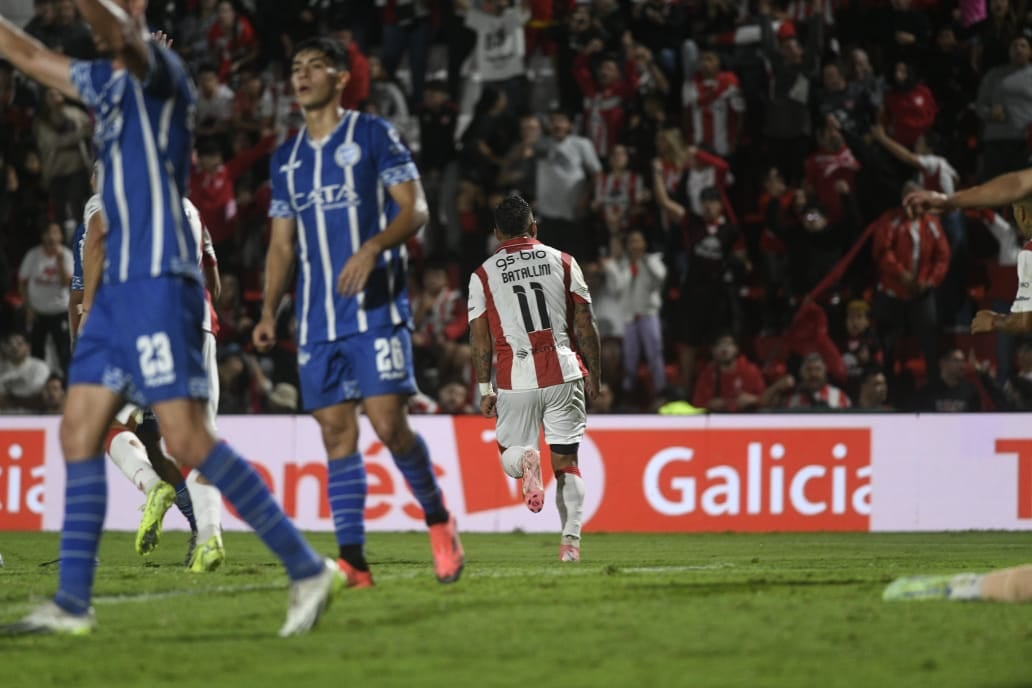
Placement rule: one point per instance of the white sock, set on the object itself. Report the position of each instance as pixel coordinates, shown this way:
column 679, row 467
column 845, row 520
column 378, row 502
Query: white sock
column 127, row 452
column 207, row 506
column 512, row 461
column 570, row 497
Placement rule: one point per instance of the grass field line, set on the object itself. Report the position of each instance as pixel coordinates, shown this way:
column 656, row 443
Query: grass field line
column 131, row 598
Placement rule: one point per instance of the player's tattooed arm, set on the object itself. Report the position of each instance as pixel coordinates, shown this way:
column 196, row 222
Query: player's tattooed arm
column 123, row 35
column 483, row 354
column 999, row 191
column 585, row 329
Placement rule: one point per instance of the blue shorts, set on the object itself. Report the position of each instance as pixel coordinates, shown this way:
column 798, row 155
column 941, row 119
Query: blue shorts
column 143, row 339
column 369, row 364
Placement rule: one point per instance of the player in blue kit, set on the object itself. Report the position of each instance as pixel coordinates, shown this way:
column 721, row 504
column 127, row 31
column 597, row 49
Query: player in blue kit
column 142, row 100
column 346, row 192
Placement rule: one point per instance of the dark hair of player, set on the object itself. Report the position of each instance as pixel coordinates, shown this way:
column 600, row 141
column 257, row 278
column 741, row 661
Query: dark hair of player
column 513, row 216
column 333, row 51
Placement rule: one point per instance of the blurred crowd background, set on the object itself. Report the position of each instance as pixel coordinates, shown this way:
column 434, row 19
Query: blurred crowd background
column 728, row 173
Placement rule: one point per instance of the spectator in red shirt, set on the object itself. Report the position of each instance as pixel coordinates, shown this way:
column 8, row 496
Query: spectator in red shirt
column 814, row 390
column 357, row 88
column 912, row 256
column 213, row 184
column 232, row 41
column 910, row 107
column 252, row 105
column 605, row 95
column 440, row 323
column 860, row 347
column 830, row 163
column 730, row 382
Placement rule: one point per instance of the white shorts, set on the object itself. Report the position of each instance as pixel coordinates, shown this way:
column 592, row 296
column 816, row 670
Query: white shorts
column 135, row 413
column 560, row 407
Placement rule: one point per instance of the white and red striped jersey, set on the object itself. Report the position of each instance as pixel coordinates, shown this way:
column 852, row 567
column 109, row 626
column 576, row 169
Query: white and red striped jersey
column 829, row 395
column 619, row 192
column 527, row 290
column 715, row 106
column 937, row 174
column 205, row 258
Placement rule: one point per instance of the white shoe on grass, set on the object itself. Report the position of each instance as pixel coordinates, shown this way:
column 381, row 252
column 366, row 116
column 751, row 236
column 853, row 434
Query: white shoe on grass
column 310, row 597
column 48, row 618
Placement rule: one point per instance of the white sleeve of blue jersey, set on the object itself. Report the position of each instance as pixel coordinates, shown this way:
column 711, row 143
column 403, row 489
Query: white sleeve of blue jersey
column 279, row 204
column 477, row 298
column 93, row 206
column 93, row 79
column 393, row 159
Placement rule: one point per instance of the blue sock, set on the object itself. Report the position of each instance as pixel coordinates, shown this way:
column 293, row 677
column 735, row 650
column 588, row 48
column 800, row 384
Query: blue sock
column 85, row 506
column 185, row 504
column 244, row 489
column 419, row 474
column 347, row 492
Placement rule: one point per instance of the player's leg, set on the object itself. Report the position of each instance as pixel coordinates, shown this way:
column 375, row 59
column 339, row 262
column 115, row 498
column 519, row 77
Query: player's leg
column 207, row 501
column 517, row 430
column 382, row 363
column 314, row 579
column 148, row 534
column 1005, row 585
column 130, row 448
column 346, row 488
column 170, row 367
column 389, row 417
column 128, row 452
column 330, row 393
column 565, row 418
column 88, row 411
column 89, row 408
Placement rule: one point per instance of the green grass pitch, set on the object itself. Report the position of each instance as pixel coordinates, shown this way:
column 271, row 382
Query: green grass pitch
column 640, row 610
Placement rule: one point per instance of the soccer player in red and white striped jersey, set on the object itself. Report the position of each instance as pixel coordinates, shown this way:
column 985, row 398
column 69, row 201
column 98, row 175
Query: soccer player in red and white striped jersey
column 714, row 106
column 529, row 303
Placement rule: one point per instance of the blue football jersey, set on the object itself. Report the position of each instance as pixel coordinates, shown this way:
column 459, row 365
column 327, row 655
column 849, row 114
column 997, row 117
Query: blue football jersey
column 144, row 135
column 336, row 190
column 78, row 242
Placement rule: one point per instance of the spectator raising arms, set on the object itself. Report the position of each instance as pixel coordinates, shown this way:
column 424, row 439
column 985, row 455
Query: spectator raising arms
column 714, row 107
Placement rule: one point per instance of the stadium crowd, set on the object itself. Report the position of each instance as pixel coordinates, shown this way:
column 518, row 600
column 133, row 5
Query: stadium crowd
column 728, row 174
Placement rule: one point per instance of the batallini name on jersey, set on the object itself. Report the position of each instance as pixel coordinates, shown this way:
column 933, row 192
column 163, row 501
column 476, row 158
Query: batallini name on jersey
column 524, row 273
